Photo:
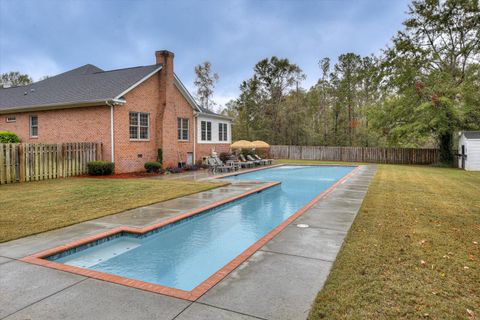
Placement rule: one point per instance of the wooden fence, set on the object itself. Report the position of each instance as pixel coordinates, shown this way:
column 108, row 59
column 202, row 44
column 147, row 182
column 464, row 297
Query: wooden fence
column 356, row 154
column 38, row 161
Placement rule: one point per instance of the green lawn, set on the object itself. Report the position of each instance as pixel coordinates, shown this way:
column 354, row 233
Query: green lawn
column 34, row 207
column 413, row 251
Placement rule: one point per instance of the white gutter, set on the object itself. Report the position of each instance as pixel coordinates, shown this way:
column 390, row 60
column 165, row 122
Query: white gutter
column 112, row 137
column 194, row 137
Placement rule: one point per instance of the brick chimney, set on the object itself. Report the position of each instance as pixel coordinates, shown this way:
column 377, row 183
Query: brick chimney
column 167, row 113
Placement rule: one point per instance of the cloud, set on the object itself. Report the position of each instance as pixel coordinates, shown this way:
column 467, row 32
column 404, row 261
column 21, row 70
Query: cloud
column 44, row 37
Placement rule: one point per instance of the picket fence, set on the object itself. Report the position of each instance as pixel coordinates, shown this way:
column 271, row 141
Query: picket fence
column 20, row 162
column 356, row 154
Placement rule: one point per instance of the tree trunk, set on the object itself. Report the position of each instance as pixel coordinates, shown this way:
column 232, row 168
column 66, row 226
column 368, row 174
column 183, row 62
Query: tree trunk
column 446, row 145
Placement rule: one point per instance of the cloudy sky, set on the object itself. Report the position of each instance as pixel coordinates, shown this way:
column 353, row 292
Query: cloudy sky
column 48, row 37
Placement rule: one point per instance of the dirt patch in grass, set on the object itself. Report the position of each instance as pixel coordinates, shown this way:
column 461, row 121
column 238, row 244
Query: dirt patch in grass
column 413, row 251
column 34, row 207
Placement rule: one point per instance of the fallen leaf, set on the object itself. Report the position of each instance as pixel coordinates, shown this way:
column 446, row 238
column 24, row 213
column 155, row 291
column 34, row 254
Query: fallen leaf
column 471, row 314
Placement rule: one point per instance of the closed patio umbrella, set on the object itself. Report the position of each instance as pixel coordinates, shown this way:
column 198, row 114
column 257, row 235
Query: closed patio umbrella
column 242, row 144
column 259, row 144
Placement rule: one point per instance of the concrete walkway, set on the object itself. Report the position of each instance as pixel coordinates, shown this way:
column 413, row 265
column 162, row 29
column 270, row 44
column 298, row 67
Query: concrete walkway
column 280, row 281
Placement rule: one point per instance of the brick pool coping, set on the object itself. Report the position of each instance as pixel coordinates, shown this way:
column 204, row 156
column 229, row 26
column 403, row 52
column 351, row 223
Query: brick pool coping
column 197, row 292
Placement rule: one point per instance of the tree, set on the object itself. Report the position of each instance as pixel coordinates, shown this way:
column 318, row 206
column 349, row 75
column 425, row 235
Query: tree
column 14, row 79
column 205, row 83
column 430, row 73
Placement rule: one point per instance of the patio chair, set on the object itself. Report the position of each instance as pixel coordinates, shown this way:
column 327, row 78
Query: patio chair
column 214, row 166
column 257, row 162
column 245, row 161
column 227, row 166
column 265, row 161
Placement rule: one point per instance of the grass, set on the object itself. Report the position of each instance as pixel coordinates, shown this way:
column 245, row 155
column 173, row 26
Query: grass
column 34, row 207
column 413, row 251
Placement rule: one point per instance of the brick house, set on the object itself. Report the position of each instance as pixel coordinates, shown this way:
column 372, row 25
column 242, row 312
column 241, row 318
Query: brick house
column 133, row 112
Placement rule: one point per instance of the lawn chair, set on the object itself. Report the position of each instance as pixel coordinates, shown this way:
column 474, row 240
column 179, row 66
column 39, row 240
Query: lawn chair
column 257, row 162
column 265, row 161
column 245, row 161
column 214, row 166
column 227, row 166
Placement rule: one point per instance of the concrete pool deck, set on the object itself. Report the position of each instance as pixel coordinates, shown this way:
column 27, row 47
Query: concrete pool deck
column 279, row 281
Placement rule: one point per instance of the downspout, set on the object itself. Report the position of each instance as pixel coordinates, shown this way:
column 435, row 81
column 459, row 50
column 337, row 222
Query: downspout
column 194, row 137
column 112, row 140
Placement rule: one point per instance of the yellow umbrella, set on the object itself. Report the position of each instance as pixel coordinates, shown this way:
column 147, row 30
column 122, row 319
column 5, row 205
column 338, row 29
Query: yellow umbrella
column 242, row 144
column 259, row 144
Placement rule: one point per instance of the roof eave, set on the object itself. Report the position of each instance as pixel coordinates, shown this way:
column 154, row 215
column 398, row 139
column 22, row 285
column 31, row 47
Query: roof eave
column 218, row 116
column 63, row 105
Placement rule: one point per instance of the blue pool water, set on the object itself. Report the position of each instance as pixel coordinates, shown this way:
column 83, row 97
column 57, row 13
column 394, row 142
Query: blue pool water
column 185, row 254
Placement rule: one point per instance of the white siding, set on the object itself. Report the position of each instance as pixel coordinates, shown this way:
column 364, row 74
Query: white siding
column 473, row 155
column 215, row 133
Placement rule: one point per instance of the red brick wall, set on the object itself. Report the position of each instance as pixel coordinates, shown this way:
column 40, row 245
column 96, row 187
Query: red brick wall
column 157, row 96
column 203, row 149
column 89, row 124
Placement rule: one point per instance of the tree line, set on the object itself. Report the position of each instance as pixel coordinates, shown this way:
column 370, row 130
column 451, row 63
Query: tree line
column 422, row 88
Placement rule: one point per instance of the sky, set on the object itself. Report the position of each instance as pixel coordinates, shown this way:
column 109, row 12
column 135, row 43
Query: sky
column 47, row 37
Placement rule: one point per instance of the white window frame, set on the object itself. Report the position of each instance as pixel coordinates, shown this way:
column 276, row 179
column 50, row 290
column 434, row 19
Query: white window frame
column 222, row 131
column 206, row 132
column 31, row 126
column 138, row 126
column 11, row 119
column 181, row 129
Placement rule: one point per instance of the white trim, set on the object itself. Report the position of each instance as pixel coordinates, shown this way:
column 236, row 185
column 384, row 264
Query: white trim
column 136, row 84
column 61, row 105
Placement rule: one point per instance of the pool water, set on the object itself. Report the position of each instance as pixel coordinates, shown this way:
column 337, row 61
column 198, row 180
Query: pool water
column 185, row 254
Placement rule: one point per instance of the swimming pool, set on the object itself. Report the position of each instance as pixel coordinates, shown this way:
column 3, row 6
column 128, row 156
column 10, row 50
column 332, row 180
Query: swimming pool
column 184, row 254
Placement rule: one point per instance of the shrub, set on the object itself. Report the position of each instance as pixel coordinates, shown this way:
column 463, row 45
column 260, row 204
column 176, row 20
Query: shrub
column 8, row 137
column 224, row 156
column 192, row 167
column 174, row 169
column 247, row 152
column 153, row 167
column 160, row 156
column 100, row 168
column 201, row 165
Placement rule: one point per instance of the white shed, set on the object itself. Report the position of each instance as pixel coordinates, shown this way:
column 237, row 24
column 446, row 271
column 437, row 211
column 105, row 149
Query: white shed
column 469, row 150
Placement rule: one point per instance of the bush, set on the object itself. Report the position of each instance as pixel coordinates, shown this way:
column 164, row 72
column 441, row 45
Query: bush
column 201, row 165
column 192, row 167
column 224, row 156
column 174, row 169
column 247, row 152
column 100, row 168
column 8, row 137
column 160, row 156
column 153, row 167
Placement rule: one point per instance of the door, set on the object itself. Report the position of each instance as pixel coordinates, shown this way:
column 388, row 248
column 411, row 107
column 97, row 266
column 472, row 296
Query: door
column 463, row 156
column 189, row 158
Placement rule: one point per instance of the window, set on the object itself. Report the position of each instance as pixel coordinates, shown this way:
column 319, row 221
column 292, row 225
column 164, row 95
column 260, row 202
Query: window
column 206, row 127
column 139, row 126
column 222, row 132
column 10, row 119
column 33, row 126
column 182, row 129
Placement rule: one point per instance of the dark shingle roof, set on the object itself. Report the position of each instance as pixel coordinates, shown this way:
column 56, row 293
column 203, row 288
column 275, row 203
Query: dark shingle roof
column 472, row 134
column 82, row 85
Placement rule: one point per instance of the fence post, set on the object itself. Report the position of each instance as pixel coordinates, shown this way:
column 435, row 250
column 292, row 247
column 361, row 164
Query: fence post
column 21, row 162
